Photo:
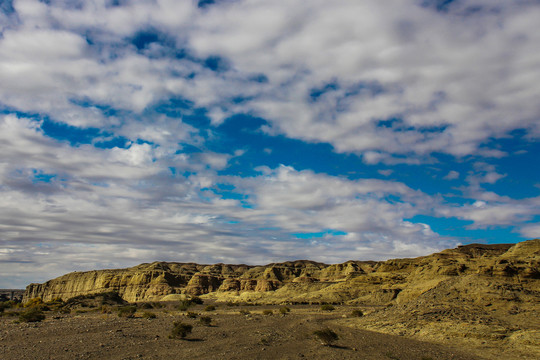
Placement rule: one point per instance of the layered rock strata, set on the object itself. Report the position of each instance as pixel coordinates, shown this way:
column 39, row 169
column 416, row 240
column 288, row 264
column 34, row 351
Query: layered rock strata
column 399, row 280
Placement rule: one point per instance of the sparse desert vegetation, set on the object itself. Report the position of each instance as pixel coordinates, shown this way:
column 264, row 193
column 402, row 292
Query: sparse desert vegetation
column 327, row 307
column 284, row 310
column 205, row 320
column 476, row 301
column 173, row 334
column 127, row 311
column 326, row 336
column 180, row 330
column 32, row 314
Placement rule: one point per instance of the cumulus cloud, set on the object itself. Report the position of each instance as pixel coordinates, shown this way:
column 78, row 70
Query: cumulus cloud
column 117, row 207
column 434, row 71
column 396, row 83
column 334, row 71
column 452, row 175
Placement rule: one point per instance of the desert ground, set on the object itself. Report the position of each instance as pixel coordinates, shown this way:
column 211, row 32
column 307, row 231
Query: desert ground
column 235, row 332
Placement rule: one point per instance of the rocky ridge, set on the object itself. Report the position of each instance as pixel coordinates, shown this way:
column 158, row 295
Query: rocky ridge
column 482, row 296
column 514, row 268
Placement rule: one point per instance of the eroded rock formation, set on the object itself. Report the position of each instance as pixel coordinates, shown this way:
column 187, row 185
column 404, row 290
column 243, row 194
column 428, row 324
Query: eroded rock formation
column 504, row 270
column 474, row 294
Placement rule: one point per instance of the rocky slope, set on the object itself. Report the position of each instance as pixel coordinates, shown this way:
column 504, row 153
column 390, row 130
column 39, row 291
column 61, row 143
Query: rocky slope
column 484, row 296
column 476, row 273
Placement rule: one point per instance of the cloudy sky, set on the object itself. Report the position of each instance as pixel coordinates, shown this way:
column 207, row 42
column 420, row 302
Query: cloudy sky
column 255, row 131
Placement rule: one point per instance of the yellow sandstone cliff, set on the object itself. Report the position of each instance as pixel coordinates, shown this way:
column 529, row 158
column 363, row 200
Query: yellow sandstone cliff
column 399, row 280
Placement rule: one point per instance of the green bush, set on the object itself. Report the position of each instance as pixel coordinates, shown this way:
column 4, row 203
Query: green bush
column 180, row 330
column 32, row 315
column 191, row 315
column 357, row 313
column 327, row 307
column 127, row 311
column 326, row 336
column 33, row 302
column 7, row 305
column 197, row 300
column 284, row 310
column 205, row 320
column 55, row 304
column 210, row 308
column 149, row 315
column 95, row 300
column 184, row 305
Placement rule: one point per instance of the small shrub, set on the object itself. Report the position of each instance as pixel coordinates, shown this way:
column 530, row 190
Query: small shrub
column 180, row 330
column 326, row 336
column 327, row 307
column 191, row 315
column 149, row 315
column 205, row 320
column 55, row 304
column 265, row 340
column 33, row 302
column 357, row 313
column 31, row 315
column 284, row 310
column 268, row 312
column 184, row 305
column 197, row 300
column 95, row 300
column 7, row 305
column 11, row 313
column 210, row 308
column 127, row 311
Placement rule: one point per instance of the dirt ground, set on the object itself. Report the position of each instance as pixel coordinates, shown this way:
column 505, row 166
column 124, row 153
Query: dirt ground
column 232, row 335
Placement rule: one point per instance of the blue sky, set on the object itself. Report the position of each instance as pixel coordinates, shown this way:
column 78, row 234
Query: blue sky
column 251, row 131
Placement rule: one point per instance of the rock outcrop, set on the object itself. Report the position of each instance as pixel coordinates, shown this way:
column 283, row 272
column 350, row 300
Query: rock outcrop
column 474, row 294
column 508, row 271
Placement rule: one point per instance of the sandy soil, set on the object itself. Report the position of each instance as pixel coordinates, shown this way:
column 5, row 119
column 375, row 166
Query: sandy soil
column 94, row 335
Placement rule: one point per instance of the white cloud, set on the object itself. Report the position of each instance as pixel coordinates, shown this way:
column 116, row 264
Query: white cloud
column 466, row 73
column 473, row 75
column 119, row 207
column 452, row 175
column 500, row 211
column 317, row 71
column 531, row 231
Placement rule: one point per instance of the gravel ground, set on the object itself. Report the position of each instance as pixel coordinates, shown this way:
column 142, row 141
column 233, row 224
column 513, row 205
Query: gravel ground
column 232, row 335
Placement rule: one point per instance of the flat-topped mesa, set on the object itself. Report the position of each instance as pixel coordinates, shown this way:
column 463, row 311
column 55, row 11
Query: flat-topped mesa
column 301, row 280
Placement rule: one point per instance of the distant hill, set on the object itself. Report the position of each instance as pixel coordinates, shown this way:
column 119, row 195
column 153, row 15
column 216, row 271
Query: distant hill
column 11, row 294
